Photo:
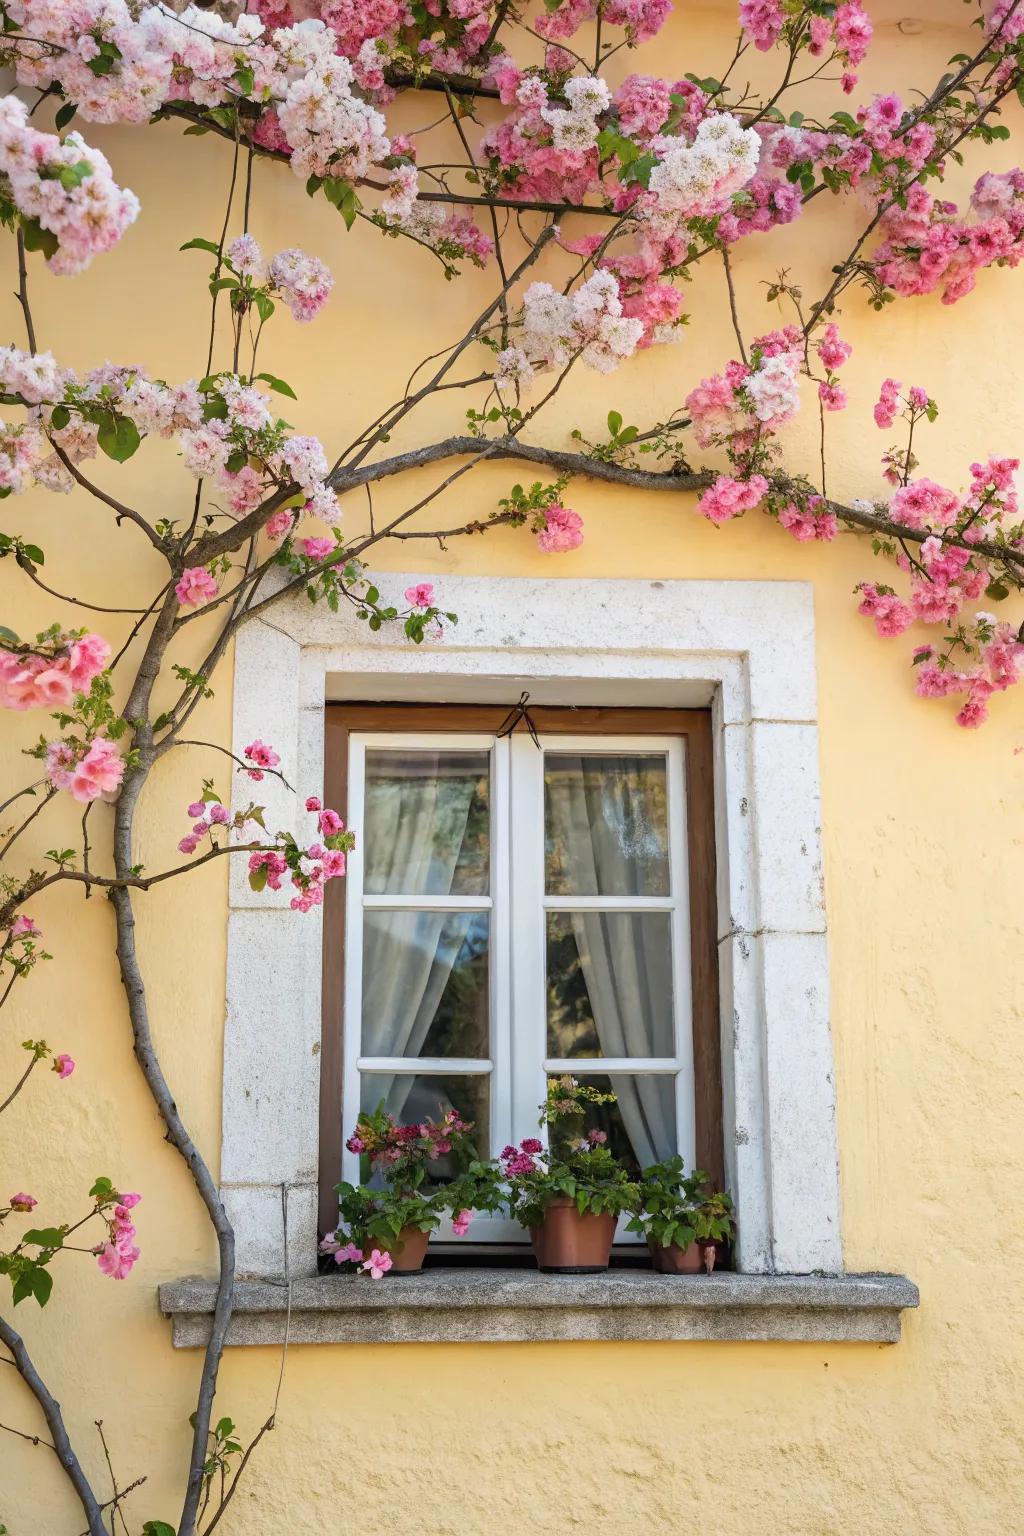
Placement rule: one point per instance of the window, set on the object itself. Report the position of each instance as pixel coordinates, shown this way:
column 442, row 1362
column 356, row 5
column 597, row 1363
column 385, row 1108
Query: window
column 517, row 910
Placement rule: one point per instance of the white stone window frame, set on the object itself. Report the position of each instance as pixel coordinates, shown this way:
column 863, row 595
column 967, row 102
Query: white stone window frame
column 744, row 648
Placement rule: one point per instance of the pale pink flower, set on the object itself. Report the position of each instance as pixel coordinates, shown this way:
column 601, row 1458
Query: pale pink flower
column 63, row 1065
column 117, row 1261
column 421, row 595
column 313, row 804
column 195, row 586
column 350, row 1254
column 460, row 1223
column 24, row 927
column 22, row 1202
column 562, row 531
column 377, row 1265
column 317, row 549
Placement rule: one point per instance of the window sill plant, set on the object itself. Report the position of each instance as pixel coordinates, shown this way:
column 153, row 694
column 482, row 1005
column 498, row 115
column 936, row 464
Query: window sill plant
column 570, row 1195
column 682, row 1218
column 385, row 1230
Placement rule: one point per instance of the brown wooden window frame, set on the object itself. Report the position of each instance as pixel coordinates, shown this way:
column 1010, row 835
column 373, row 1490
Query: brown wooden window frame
column 695, row 726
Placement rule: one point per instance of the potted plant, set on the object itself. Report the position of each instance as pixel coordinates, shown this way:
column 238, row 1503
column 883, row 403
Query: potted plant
column 682, row 1218
column 385, row 1230
column 570, row 1194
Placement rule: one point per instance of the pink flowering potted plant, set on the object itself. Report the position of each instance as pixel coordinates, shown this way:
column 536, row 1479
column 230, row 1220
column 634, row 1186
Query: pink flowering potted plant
column 569, row 1194
column 682, row 1218
column 385, row 1229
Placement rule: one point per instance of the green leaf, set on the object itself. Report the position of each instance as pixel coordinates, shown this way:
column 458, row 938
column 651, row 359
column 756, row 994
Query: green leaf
column 219, row 283
column 614, row 423
column 996, row 591
column 59, row 417
column 34, row 553
column 278, row 384
column 199, row 244
column 258, row 878
column 101, row 1190
column 39, row 239
column 264, row 304
column 118, row 437
column 65, row 114
column 44, row 1237
column 158, row 1528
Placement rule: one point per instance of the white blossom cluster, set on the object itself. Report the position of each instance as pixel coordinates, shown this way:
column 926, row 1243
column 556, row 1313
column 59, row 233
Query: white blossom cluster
column 576, row 127
column 556, row 327
column 701, row 177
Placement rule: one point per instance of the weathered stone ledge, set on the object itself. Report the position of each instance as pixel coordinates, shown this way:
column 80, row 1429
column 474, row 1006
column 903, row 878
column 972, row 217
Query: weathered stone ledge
column 469, row 1306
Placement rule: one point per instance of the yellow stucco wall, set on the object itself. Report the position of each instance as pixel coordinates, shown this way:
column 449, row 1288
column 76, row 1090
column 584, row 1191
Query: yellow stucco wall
column 923, row 835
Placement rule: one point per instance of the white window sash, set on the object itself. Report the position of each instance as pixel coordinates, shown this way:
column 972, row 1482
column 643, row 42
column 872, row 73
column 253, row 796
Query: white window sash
column 519, row 1063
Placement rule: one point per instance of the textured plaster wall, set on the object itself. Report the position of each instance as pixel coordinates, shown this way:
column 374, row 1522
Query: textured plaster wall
column 922, row 834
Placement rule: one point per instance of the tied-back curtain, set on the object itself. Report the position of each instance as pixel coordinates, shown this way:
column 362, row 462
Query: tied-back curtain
column 415, row 829
column 627, row 965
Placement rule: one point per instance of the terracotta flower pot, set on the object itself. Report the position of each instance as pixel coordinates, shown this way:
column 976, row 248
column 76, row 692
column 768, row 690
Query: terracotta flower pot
column 673, row 1260
column 407, row 1251
column 566, row 1243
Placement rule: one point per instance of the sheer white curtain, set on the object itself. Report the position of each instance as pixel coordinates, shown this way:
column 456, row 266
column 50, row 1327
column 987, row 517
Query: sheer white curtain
column 415, row 829
column 626, row 957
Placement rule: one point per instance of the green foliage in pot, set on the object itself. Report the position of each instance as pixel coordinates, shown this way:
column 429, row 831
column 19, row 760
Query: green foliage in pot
column 676, row 1207
column 374, row 1216
column 576, row 1165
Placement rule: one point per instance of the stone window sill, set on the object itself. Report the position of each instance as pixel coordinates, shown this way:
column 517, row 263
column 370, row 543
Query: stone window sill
column 471, row 1306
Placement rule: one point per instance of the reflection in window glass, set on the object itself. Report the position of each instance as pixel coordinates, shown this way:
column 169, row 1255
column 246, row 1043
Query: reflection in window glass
column 425, row 823
column 606, row 825
column 411, row 1099
column 609, row 984
column 425, row 984
column 641, row 1124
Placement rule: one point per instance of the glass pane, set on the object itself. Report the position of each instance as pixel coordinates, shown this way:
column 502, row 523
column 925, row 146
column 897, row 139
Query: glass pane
column 412, row 1098
column 609, row 984
column 606, row 825
column 641, row 1124
column 425, row 823
column 425, row 984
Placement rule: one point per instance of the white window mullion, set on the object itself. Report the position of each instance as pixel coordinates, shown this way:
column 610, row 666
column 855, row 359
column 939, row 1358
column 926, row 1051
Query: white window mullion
column 528, row 937
column 502, row 963
column 682, row 980
column 353, row 1004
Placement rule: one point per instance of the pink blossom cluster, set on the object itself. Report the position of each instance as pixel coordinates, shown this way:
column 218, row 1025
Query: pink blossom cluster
column 833, row 352
column 546, row 151
column 195, row 587
column 927, row 245
column 21, row 1201
column 765, row 203
column 87, row 770
column 517, row 1161
column 811, row 521
column 119, row 1255
column 151, row 57
column 846, row 33
column 386, row 1143
column 739, row 407
column 560, row 530
column 309, row 867
column 303, row 282
column 67, row 188
column 206, row 815
column 640, row 19
column 50, row 679
column 1000, row 665
column 728, row 498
